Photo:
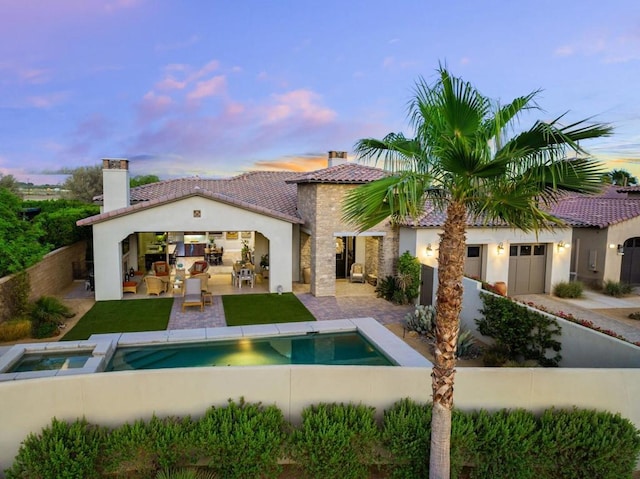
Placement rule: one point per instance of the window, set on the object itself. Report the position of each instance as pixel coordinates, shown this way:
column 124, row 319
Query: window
column 525, row 250
column 473, row 251
column 538, row 250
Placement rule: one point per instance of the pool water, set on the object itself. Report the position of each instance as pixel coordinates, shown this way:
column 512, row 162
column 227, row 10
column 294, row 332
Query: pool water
column 349, row 348
column 50, row 361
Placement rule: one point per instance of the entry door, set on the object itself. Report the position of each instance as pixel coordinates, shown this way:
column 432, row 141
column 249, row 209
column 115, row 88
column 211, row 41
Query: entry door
column 527, row 268
column 473, row 261
column 345, row 255
column 630, row 271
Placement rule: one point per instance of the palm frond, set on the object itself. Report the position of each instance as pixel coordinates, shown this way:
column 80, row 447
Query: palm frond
column 396, row 197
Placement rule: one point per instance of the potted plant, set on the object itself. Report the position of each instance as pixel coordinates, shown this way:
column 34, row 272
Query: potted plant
column 264, row 261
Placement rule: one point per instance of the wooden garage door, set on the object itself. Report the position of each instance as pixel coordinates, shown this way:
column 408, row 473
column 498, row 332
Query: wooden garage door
column 527, row 268
column 630, row 272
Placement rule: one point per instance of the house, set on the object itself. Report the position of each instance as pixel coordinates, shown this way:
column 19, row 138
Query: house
column 296, row 218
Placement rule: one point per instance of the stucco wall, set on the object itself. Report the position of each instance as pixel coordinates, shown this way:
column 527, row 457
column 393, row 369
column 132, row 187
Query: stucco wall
column 179, row 216
column 114, row 398
column 50, row 276
column 581, row 347
column 496, row 266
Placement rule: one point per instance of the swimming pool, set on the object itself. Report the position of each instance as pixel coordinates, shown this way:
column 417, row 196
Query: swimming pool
column 348, row 348
column 356, row 341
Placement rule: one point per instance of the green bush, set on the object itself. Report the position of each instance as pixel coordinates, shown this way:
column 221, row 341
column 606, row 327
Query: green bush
column 506, row 445
column 46, row 313
column 386, row 288
column 569, row 289
column 60, row 226
column 582, row 443
column 519, row 332
column 129, row 448
column 172, row 441
column 409, row 276
column 616, row 288
column 335, row 441
column 406, row 434
column 62, row 451
column 242, row 440
column 186, row 474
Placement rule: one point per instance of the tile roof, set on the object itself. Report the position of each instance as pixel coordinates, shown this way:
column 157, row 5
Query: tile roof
column 596, row 211
column 346, row 173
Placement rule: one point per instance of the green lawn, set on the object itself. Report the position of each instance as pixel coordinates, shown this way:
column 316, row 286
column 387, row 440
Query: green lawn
column 242, row 309
column 122, row 317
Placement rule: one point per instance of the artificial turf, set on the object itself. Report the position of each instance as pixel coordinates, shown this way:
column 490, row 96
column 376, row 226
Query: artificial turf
column 122, row 317
column 243, row 309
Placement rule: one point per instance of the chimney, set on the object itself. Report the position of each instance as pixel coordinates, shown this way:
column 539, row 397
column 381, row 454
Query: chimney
column 115, row 184
column 337, row 158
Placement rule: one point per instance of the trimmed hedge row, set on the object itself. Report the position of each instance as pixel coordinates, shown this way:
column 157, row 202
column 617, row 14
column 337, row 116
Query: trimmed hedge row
column 343, row 441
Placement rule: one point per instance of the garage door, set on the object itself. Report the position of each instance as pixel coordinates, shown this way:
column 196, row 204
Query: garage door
column 527, row 268
column 630, row 272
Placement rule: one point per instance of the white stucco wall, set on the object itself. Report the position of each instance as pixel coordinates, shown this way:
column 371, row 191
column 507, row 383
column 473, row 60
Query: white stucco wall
column 496, row 266
column 179, row 216
column 112, row 399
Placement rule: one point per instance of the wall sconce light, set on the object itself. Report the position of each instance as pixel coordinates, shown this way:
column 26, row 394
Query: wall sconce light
column 620, row 250
column 500, row 248
column 562, row 246
column 612, row 246
column 429, row 250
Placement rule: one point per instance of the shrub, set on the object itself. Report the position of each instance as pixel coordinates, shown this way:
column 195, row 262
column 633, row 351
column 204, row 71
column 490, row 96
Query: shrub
column 635, row 315
column 17, row 298
column 128, row 448
column 335, row 441
column 519, row 332
column 386, row 287
column 171, row 441
column 186, row 474
column 46, row 313
column 616, row 288
column 466, row 344
column 14, row 330
column 506, row 444
column 61, row 450
column 422, row 320
column 242, row 440
column 568, row 289
column 409, row 276
column 583, row 443
column 406, row 434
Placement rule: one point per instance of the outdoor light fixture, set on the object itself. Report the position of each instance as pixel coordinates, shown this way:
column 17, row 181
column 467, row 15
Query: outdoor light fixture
column 612, row 246
column 620, row 250
column 429, row 250
column 561, row 246
column 500, row 248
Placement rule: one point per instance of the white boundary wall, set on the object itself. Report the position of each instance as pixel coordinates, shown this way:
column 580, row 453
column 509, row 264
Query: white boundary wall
column 114, row 398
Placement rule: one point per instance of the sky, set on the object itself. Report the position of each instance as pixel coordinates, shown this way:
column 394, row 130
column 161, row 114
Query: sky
column 215, row 88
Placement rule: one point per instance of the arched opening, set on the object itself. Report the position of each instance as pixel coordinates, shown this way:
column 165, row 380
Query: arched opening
column 630, row 269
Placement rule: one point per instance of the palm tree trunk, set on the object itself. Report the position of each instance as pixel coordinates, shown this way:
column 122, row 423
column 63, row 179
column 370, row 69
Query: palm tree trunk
column 449, row 305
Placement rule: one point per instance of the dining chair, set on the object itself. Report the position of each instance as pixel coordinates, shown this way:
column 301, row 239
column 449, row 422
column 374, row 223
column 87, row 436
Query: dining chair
column 245, row 274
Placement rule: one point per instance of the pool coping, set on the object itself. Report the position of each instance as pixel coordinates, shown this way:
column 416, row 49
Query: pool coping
column 102, row 346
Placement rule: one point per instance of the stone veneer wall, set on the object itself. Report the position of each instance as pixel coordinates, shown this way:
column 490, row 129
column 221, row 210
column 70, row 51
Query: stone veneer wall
column 320, row 205
column 372, row 253
column 48, row 277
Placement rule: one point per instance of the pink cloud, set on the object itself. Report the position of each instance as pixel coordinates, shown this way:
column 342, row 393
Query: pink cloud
column 212, row 87
column 303, row 103
column 153, row 107
column 170, row 83
column 47, row 101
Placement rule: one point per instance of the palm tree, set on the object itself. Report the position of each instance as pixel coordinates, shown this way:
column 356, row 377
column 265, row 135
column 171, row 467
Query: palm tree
column 620, row 178
column 466, row 161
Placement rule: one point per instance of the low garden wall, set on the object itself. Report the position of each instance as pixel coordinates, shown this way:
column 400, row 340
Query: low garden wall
column 49, row 276
column 582, row 347
column 118, row 397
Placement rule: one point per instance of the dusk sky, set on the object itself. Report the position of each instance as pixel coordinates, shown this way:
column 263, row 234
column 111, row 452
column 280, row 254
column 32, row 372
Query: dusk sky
column 215, row 88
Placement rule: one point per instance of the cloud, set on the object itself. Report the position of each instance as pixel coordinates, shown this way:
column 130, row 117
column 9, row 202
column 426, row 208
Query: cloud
column 292, row 163
column 47, row 101
column 298, row 103
column 621, row 46
column 211, row 87
column 153, row 106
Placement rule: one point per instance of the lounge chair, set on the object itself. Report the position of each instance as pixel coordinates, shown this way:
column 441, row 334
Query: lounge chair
column 204, row 281
column 155, row 285
column 192, row 293
column 357, row 273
